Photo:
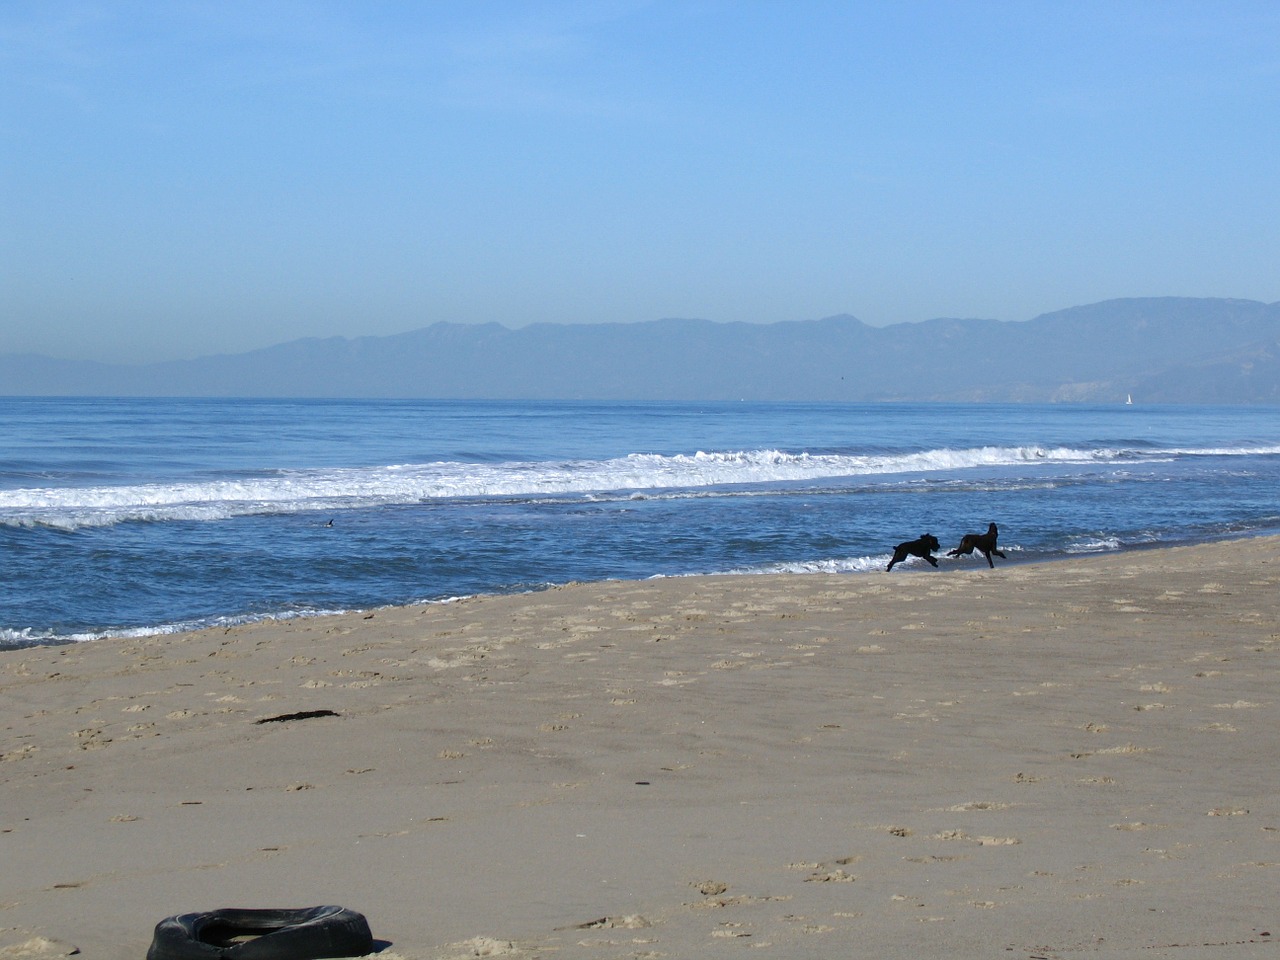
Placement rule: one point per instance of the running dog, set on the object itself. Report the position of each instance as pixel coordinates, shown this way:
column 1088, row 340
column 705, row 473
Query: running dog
column 985, row 543
column 923, row 547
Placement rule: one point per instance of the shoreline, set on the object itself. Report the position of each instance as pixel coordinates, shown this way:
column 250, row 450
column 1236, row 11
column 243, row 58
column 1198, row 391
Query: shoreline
column 1037, row 760
column 248, row 620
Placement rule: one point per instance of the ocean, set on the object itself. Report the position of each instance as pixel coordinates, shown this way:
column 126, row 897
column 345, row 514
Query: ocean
column 140, row 516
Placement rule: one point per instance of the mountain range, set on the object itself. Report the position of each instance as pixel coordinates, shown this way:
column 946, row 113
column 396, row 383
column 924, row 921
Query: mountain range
column 1158, row 350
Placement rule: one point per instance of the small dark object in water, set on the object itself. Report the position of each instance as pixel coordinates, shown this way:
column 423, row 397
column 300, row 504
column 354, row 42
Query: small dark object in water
column 311, row 933
column 304, row 715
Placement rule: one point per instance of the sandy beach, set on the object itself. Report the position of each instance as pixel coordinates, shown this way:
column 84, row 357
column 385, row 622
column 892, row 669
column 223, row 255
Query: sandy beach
column 1037, row 761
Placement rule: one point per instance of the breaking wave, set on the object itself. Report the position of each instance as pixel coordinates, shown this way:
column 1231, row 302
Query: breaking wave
column 636, row 476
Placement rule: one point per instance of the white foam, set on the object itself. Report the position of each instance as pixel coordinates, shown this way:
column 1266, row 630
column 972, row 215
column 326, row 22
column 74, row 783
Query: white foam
column 28, row 637
column 831, row 565
column 1094, row 545
column 638, row 475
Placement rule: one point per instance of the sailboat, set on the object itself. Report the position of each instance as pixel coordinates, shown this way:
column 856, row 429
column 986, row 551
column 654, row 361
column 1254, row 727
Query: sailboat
column 1128, row 399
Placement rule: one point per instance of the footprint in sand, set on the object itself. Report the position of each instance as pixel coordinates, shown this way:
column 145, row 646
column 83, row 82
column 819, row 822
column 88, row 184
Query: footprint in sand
column 1125, row 748
column 830, row 876
column 91, row 738
column 630, row 922
column 36, row 948
column 980, row 841
column 977, row 805
column 482, row 947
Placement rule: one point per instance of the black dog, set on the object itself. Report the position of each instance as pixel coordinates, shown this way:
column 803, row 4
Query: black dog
column 915, row 548
column 984, row 542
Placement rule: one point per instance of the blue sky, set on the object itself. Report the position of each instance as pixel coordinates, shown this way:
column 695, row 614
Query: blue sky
column 182, row 178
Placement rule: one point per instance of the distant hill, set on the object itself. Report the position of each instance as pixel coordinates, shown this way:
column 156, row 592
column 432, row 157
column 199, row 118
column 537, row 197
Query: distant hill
column 1160, row 350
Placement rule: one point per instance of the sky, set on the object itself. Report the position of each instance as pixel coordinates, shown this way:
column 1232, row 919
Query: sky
column 188, row 177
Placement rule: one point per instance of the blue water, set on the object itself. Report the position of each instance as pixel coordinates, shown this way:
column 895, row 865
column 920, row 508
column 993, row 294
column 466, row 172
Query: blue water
column 136, row 516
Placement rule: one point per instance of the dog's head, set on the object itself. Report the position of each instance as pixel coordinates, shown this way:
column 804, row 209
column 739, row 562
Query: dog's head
column 991, row 530
column 930, row 541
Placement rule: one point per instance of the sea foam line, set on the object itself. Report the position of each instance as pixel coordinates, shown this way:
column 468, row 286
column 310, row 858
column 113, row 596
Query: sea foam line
column 296, row 491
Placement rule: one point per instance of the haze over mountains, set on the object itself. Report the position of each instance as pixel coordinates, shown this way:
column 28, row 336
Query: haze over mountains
column 1159, row 350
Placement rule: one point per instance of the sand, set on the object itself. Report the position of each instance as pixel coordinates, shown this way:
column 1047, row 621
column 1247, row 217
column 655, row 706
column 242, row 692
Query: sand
column 1043, row 760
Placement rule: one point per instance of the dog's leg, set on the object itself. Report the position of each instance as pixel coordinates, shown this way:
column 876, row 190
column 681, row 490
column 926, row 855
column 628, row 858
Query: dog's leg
column 931, row 560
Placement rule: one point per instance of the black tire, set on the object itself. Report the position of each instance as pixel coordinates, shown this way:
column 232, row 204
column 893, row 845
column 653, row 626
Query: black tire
column 311, row 933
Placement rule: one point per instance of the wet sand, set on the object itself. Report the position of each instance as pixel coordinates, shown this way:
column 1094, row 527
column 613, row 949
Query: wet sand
column 1037, row 761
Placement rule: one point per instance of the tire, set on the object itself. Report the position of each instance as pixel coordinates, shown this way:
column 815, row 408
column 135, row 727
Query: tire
column 311, row 933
